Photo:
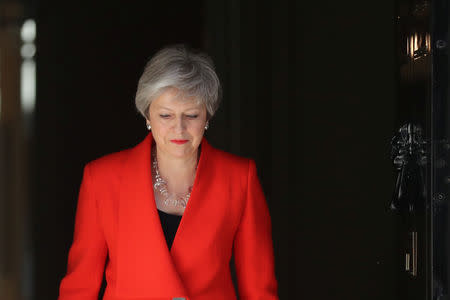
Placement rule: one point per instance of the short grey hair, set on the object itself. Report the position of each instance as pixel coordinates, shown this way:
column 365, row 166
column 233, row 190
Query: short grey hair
column 177, row 66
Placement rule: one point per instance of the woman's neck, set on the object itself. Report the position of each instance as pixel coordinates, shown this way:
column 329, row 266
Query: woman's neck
column 179, row 172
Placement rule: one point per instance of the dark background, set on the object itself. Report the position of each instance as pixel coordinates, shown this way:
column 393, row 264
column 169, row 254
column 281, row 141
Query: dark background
column 309, row 92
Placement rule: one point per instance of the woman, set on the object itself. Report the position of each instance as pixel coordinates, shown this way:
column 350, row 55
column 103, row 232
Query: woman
column 167, row 215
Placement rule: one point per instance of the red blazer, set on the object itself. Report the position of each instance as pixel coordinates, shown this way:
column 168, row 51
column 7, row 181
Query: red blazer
column 117, row 223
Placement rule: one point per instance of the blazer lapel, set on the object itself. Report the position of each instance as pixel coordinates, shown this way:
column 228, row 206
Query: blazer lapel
column 181, row 241
column 142, row 248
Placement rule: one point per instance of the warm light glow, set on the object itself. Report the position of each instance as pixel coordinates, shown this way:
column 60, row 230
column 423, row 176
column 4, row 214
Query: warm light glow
column 411, row 46
column 418, row 45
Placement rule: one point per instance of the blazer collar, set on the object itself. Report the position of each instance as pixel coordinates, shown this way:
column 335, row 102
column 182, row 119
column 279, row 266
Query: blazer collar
column 143, row 163
column 139, row 221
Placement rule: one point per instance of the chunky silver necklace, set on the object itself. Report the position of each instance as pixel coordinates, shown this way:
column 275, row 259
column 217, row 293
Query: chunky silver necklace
column 160, row 185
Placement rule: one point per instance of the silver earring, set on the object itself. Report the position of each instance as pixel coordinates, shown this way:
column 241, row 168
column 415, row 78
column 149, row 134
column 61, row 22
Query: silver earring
column 149, row 127
column 206, row 126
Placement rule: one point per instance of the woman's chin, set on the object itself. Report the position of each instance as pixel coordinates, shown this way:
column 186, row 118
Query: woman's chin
column 180, row 153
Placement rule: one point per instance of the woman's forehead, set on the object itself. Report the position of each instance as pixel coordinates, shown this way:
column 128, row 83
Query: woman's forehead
column 175, row 100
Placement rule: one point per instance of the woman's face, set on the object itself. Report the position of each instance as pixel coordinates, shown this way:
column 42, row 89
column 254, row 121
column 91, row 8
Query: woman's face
column 178, row 123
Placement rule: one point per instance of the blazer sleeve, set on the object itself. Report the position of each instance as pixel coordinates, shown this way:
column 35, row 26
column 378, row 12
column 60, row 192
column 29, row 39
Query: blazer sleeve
column 87, row 254
column 253, row 249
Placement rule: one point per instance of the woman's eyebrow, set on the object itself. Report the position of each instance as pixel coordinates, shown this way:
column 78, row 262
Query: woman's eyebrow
column 188, row 109
column 162, row 107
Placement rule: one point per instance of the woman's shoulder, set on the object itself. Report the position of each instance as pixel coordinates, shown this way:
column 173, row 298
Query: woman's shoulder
column 118, row 158
column 110, row 162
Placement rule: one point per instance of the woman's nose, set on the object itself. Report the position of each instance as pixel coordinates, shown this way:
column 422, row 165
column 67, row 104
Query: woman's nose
column 180, row 125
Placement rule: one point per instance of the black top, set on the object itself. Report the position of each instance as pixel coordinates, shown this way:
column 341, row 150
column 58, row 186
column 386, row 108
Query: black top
column 169, row 225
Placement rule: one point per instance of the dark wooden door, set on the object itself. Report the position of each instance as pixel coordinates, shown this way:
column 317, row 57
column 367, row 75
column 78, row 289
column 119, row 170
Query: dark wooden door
column 420, row 149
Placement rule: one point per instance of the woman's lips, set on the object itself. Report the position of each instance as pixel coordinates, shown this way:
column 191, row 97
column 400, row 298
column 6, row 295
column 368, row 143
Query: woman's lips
column 179, row 142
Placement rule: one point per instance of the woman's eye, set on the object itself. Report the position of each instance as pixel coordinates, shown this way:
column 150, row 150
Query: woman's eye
column 164, row 116
column 192, row 116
